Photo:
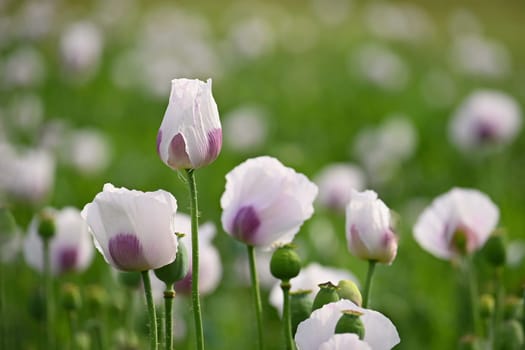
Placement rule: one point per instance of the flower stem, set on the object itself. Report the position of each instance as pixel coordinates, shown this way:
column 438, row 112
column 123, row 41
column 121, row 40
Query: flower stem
column 151, row 311
column 473, row 291
column 195, row 259
column 287, row 319
column 368, row 285
column 72, row 320
column 256, row 294
column 169, row 294
column 498, row 304
column 50, row 307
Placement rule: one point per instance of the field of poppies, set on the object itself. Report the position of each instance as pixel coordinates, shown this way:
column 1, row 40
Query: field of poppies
column 383, row 139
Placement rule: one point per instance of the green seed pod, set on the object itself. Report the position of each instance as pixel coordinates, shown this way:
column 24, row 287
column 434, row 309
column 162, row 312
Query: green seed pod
column 301, row 307
column 46, row 225
column 486, row 305
column 176, row 270
column 327, row 294
column 348, row 290
column 510, row 336
column 70, row 297
column 494, row 250
column 350, row 322
column 130, row 279
column 285, row 263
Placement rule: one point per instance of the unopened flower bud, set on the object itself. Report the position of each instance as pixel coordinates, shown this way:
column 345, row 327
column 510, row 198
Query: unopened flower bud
column 348, row 290
column 494, row 250
column 129, row 279
column 96, row 297
column 327, row 294
column 510, row 336
column 285, row 263
column 350, row 322
column 176, row 270
column 70, row 297
column 486, row 305
column 512, row 308
column 46, row 226
column 301, row 307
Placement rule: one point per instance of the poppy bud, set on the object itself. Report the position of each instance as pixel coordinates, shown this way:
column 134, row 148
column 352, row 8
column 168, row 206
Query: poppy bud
column 327, row 294
column 285, row 263
column 350, row 322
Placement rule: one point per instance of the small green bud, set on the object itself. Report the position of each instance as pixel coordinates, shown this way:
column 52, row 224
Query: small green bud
column 70, row 297
column 285, row 263
column 512, row 308
column 350, row 322
column 510, row 336
column 130, row 279
column 46, row 225
column 469, row 342
column 301, row 307
column 96, row 297
column 176, row 270
column 348, row 290
column 494, row 250
column 327, row 294
column 486, row 305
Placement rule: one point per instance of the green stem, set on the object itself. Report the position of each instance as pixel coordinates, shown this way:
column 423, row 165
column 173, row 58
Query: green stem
column 287, row 318
column 71, row 318
column 195, row 259
column 498, row 304
column 169, row 294
column 256, row 294
column 50, row 307
column 473, row 291
column 368, row 285
column 151, row 311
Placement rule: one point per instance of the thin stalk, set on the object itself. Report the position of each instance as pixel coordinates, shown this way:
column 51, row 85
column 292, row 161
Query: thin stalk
column 287, row 317
column 151, row 311
column 72, row 320
column 169, row 295
column 473, row 291
column 368, row 285
column 199, row 335
column 50, row 305
column 256, row 295
column 498, row 304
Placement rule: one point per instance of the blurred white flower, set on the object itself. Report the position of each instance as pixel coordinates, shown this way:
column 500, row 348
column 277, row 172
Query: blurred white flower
column 369, row 228
column 309, row 279
column 331, row 12
column 35, row 19
column 478, row 56
column 298, row 34
column 464, row 21
column 381, row 66
column 133, row 230
column 71, row 247
column 265, row 202
column 210, row 266
column 24, row 67
column 89, row 151
column 335, row 182
column 515, row 253
column 383, row 149
column 405, row 22
column 27, row 176
column 81, row 46
column 438, row 88
column 380, row 332
column 456, row 223
column 245, row 128
column 485, row 118
column 26, row 112
column 251, row 38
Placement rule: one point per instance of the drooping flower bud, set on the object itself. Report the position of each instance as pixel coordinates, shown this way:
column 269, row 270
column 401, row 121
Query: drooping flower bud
column 176, row 270
column 327, row 294
column 350, row 322
column 348, row 290
column 494, row 250
column 190, row 135
column 301, row 307
column 285, row 263
column 70, row 297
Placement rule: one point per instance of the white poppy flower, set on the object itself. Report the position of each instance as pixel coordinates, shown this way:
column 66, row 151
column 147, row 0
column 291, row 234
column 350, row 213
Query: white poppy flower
column 70, row 248
column 133, row 230
column 344, row 341
column 460, row 216
column 265, row 202
column 369, row 228
column 380, row 332
column 190, row 135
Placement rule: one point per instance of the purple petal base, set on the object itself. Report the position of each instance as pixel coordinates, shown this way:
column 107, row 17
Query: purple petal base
column 126, row 252
column 245, row 225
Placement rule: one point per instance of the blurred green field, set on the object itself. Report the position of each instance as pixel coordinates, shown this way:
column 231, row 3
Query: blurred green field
column 316, row 102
